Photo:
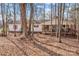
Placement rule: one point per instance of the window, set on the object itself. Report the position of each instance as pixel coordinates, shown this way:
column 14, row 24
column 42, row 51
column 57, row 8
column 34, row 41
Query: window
column 36, row 25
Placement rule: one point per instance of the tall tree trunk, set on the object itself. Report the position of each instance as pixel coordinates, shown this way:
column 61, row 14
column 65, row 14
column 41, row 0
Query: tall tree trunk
column 57, row 29
column 67, row 20
column 14, row 21
column 63, row 6
column 55, row 19
column 74, row 15
column 33, row 26
column 2, row 12
column 77, row 23
column 44, row 19
column 51, row 18
column 23, row 18
column 7, row 19
column 33, row 21
column 59, row 22
column 31, row 17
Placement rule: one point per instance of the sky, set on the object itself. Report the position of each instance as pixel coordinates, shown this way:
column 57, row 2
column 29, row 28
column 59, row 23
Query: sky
column 47, row 9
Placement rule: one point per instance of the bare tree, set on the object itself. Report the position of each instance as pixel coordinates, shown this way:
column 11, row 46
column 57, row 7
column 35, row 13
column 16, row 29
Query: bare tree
column 56, row 18
column 3, row 17
column 59, row 21
column 51, row 18
column 14, row 20
column 75, row 20
column 44, row 19
column 6, row 19
column 63, row 7
column 23, row 18
column 31, row 17
column 77, row 24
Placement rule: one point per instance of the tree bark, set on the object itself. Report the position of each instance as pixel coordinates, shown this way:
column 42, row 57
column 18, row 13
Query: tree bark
column 44, row 19
column 59, row 22
column 2, row 12
column 14, row 20
column 7, row 19
column 23, row 18
column 31, row 17
column 51, row 19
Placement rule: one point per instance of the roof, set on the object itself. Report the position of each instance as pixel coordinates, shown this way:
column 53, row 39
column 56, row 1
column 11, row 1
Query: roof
column 69, row 22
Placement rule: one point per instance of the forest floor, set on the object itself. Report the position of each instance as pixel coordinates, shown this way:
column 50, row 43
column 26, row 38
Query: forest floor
column 40, row 45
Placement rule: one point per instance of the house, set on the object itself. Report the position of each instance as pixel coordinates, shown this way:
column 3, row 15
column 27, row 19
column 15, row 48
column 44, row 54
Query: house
column 44, row 26
column 47, row 27
column 11, row 28
column 16, row 27
column 36, row 28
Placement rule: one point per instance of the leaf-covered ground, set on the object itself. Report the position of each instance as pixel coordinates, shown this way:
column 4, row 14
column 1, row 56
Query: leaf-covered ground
column 40, row 45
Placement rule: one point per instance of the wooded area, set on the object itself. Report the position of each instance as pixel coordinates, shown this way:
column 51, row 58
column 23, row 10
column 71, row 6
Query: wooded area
column 53, row 28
